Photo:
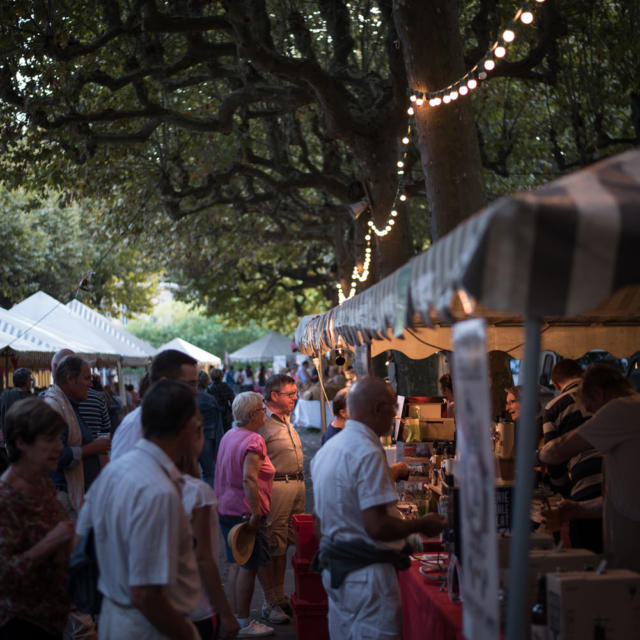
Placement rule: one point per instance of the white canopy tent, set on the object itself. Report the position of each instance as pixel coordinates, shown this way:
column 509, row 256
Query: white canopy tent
column 264, row 349
column 132, row 348
column 203, row 357
column 50, row 314
column 559, row 261
column 32, row 346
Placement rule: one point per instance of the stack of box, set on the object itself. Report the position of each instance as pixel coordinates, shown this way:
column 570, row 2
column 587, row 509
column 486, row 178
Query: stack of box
column 309, row 602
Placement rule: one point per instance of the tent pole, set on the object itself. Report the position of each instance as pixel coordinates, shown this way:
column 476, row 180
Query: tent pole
column 517, row 600
column 121, row 391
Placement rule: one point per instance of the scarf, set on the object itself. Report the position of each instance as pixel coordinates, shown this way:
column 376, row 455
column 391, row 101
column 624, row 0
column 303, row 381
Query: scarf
column 74, row 475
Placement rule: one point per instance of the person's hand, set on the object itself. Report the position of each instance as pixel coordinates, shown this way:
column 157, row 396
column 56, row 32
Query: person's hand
column 399, row 471
column 229, row 626
column 103, row 444
column 568, row 510
column 61, row 534
column 431, row 525
column 254, row 521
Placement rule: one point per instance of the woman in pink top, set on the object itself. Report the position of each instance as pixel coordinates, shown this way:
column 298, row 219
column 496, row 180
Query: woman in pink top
column 243, row 480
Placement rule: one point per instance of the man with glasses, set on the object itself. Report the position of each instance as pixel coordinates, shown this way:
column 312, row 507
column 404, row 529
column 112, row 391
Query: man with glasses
column 170, row 364
column 284, row 449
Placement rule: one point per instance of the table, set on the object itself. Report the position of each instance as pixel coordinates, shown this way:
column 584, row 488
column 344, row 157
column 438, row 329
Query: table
column 427, row 612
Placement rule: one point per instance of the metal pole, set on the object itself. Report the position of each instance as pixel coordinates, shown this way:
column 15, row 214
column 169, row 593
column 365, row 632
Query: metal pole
column 517, row 602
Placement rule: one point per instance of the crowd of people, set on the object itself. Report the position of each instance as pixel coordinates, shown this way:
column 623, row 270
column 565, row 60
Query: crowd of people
column 194, row 460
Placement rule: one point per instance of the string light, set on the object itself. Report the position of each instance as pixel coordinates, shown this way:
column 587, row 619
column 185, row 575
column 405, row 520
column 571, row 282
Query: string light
column 467, row 83
column 469, row 80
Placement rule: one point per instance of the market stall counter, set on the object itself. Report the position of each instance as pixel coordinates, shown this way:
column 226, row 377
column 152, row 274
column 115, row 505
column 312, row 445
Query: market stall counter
column 426, row 605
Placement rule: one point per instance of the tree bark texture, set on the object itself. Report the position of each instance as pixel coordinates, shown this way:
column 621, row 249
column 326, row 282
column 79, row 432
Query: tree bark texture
column 447, row 138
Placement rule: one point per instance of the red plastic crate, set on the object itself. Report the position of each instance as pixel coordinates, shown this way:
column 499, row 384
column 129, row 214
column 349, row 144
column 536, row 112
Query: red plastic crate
column 311, row 619
column 306, row 542
column 308, row 583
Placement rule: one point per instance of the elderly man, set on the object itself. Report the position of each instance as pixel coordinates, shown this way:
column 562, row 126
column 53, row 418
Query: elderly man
column 361, row 530
column 284, row 449
column 72, row 380
column 170, row 364
column 614, row 430
column 144, row 543
column 581, row 477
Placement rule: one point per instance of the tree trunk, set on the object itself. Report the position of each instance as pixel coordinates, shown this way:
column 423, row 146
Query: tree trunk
column 447, row 138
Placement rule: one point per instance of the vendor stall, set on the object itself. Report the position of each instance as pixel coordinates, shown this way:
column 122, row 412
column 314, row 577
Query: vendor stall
column 555, row 267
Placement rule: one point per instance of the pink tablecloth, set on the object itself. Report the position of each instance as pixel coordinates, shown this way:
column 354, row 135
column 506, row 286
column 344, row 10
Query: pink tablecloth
column 427, row 612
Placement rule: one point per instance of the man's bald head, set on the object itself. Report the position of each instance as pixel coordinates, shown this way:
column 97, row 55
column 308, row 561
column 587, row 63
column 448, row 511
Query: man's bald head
column 57, row 358
column 372, row 402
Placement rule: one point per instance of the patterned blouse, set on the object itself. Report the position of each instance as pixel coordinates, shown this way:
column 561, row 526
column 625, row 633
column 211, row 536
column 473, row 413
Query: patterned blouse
column 37, row 593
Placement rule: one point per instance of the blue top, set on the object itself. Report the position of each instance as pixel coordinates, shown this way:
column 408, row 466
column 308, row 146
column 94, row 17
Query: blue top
column 329, row 433
column 211, row 414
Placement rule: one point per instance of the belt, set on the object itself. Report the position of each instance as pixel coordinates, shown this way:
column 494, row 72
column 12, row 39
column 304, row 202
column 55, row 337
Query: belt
column 280, row 477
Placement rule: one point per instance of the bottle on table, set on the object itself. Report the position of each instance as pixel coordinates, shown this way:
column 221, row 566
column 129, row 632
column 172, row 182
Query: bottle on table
column 539, row 627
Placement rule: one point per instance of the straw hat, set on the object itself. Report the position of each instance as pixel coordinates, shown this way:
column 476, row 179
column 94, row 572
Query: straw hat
column 241, row 539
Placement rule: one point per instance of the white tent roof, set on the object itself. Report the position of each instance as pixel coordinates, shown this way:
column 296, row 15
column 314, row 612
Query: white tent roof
column 202, row 356
column 33, row 346
column 50, row 314
column 265, row 348
column 117, row 335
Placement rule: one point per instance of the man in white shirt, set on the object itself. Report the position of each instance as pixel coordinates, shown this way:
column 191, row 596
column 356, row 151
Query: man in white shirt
column 355, row 497
column 170, row 364
column 144, row 543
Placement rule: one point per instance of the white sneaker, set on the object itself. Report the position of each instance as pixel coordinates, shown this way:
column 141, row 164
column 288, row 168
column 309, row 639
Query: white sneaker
column 274, row 614
column 255, row 629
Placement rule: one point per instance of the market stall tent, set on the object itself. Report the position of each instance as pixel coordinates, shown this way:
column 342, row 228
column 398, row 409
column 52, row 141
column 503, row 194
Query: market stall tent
column 561, row 259
column 26, row 345
column 203, row 357
column 50, row 314
column 134, row 347
column 264, row 349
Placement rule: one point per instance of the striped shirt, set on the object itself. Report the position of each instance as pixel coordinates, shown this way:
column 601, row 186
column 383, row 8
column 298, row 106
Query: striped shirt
column 580, row 477
column 95, row 413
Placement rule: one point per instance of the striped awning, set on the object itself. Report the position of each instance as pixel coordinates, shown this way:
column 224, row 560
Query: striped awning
column 567, row 253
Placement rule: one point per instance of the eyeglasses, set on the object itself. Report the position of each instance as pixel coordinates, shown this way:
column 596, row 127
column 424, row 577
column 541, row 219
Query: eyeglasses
column 289, row 394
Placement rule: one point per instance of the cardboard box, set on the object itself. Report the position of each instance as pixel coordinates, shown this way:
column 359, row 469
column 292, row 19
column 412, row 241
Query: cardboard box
column 581, row 604
column 543, row 561
column 538, row 541
column 440, row 429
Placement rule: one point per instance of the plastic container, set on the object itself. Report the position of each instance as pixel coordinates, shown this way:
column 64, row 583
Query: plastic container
column 306, row 543
column 308, row 583
column 311, row 619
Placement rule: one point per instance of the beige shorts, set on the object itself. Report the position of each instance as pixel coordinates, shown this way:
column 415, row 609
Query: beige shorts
column 287, row 498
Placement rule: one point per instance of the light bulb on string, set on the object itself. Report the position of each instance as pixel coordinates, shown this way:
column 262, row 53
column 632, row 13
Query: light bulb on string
column 500, row 52
column 412, row 97
column 508, row 35
column 400, row 164
column 453, row 95
column 410, row 111
column 403, row 197
column 472, row 84
column 482, row 75
column 489, row 64
column 405, row 140
column 526, row 17
column 446, row 99
column 434, row 102
column 419, row 102
column 463, row 90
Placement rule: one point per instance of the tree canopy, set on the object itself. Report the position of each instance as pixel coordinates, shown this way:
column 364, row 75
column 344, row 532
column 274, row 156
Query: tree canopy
column 232, row 136
column 50, row 245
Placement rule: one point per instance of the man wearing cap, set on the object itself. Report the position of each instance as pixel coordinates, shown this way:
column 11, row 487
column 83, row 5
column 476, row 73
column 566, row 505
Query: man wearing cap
column 284, row 449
